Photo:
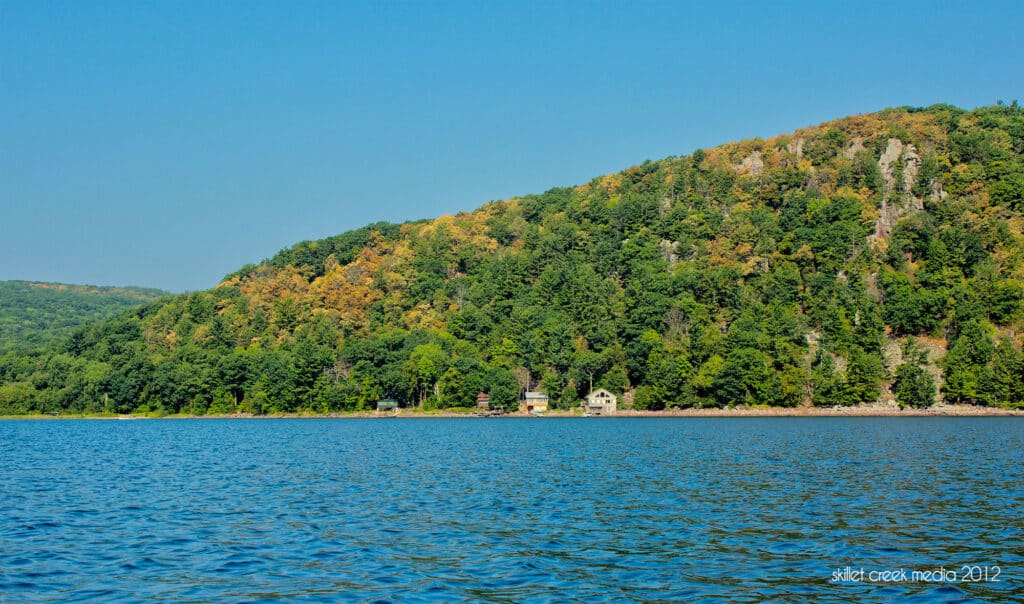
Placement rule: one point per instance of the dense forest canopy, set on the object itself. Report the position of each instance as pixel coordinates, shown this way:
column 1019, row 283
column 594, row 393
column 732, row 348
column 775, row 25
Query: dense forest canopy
column 33, row 314
column 867, row 258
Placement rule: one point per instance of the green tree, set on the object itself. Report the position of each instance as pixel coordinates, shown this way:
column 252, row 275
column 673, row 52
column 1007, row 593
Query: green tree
column 747, row 379
column 425, row 366
column 1002, row 381
column 965, row 362
column 864, row 374
column 503, row 389
column 914, row 386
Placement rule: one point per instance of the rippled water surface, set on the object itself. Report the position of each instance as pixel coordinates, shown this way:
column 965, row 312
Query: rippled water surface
column 743, row 509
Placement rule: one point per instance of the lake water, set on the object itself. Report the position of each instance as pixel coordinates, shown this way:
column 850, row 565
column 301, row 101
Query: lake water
column 515, row 510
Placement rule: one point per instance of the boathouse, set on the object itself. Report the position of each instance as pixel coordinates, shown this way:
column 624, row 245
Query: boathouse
column 600, row 402
column 387, row 404
column 534, row 402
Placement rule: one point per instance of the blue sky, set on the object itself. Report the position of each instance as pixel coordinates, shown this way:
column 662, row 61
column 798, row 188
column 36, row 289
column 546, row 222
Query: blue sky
column 167, row 144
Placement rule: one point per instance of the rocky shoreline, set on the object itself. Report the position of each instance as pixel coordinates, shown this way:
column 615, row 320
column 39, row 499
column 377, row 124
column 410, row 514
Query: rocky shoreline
column 877, row 410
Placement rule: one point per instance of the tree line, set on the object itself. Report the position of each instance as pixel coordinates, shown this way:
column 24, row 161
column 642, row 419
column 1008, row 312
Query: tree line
column 874, row 255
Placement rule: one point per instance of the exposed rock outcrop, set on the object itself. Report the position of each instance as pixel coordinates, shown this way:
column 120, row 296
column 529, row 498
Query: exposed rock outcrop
column 895, row 154
column 796, row 147
column 898, row 160
column 855, row 147
column 893, row 356
column 664, row 206
column 752, row 164
column 668, row 250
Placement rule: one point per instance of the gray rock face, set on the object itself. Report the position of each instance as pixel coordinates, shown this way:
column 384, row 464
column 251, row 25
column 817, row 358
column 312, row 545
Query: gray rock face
column 854, row 148
column 911, row 167
column 906, row 157
column 752, row 164
column 895, row 153
column 796, row 148
column 668, row 251
column 664, row 206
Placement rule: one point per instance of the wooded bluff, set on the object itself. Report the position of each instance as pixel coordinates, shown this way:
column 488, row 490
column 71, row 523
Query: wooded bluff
column 34, row 314
column 866, row 258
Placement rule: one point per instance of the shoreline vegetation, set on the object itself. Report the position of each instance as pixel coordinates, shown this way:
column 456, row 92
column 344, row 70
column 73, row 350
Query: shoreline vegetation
column 742, row 411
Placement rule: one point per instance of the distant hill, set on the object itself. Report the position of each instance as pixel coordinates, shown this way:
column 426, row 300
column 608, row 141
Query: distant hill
column 33, row 314
column 874, row 258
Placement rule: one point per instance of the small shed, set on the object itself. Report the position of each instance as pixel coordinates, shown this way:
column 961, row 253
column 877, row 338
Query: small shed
column 387, row 404
column 534, row 402
column 600, row 402
column 483, row 401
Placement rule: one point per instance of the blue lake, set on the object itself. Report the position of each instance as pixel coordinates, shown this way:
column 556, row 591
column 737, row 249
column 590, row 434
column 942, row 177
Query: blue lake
column 744, row 509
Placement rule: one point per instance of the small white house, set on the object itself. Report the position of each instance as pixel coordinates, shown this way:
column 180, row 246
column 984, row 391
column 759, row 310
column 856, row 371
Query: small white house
column 600, row 402
column 534, row 402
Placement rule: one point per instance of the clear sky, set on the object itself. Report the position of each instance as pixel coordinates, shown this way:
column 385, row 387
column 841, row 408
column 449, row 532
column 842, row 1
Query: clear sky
column 166, row 144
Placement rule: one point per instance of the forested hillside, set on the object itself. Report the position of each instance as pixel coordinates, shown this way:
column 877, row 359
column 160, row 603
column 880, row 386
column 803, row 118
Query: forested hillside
column 874, row 256
column 33, row 314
